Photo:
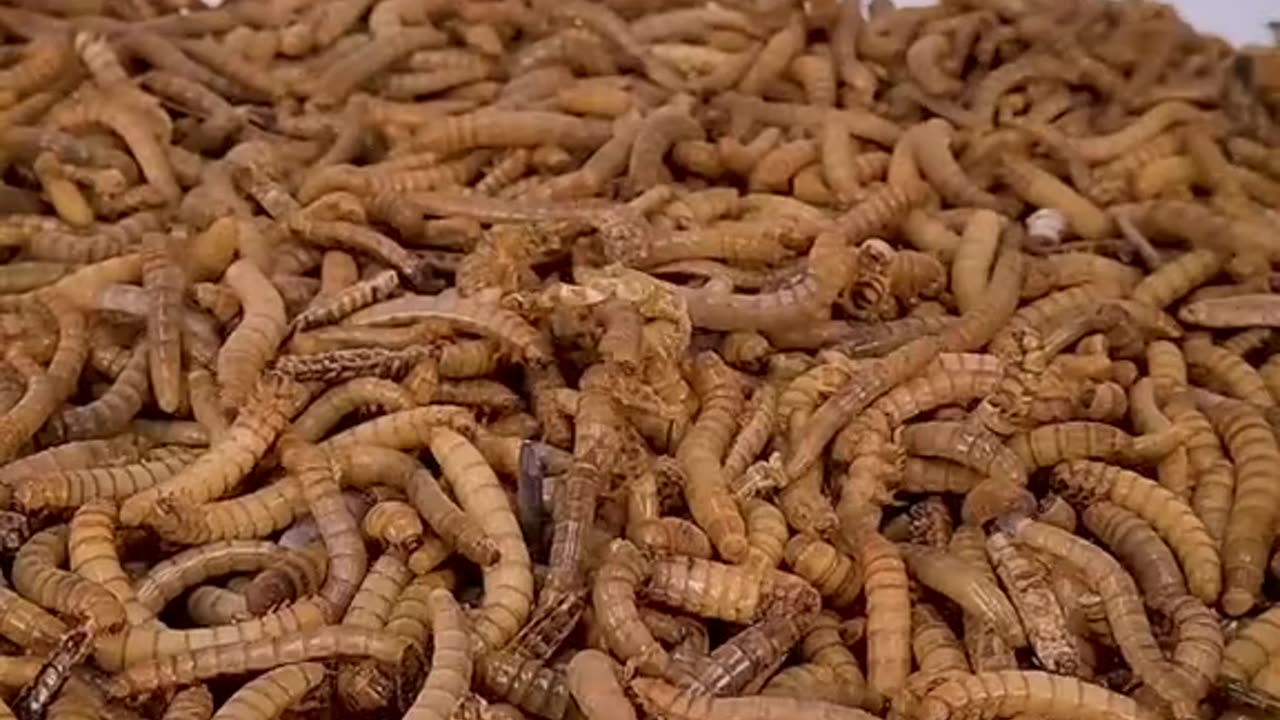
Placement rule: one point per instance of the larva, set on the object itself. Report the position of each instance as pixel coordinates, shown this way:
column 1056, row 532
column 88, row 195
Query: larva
column 271, row 693
column 36, row 575
column 317, row 473
column 508, row 582
column 212, row 474
column 451, row 663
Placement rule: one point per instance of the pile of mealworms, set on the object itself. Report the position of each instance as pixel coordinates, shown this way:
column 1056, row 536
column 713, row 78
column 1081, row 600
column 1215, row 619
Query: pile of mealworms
column 607, row 359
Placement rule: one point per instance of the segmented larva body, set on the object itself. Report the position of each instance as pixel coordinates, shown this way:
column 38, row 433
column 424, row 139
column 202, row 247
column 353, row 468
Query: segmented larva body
column 970, row 588
column 451, row 663
column 1252, row 444
column 1122, row 602
column 888, row 615
column 27, row 624
column 36, row 575
column 193, row 666
column 1136, row 544
column 394, row 523
column 209, row 605
column 662, row 699
column 91, row 552
column 935, row 646
column 1086, row 481
column 1028, row 584
column 347, row 301
column 275, row 401
column 166, row 282
column 1253, row 646
column 700, row 455
column 378, row 591
column 317, row 473
column 1035, row 693
column 508, row 582
column 72, row 487
column 271, row 693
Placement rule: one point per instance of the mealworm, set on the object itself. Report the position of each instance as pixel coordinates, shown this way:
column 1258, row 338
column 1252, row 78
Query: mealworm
column 613, row 597
column 168, row 578
column 211, row 605
column 164, row 280
column 469, row 314
column 45, row 55
column 741, row 663
column 36, row 575
column 508, row 582
column 269, row 694
column 1252, row 446
column 406, row 429
column 1041, row 693
column 1139, row 547
column 1224, row 370
column 91, row 554
column 394, row 523
column 251, row 346
column 592, row 677
column 317, row 473
column 211, row 475
column 64, row 195
column 1088, row 481
column 660, row 698
column 133, row 129
column 109, row 413
column 295, row 573
column 47, row 389
column 451, row 663
column 1120, row 597
column 27, row 624
column 935, row 646
column 971, row 589
column 53, row 675
column 1174, row 470
column 699, row 453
